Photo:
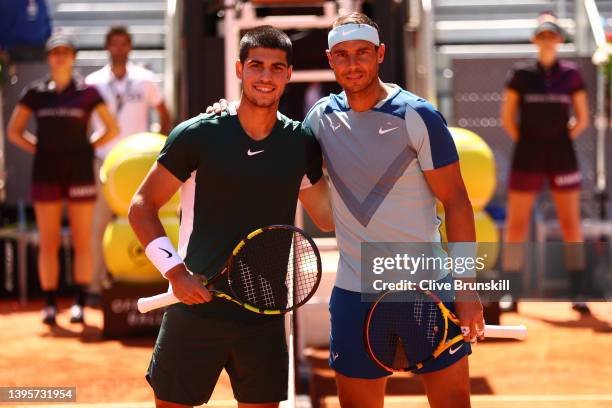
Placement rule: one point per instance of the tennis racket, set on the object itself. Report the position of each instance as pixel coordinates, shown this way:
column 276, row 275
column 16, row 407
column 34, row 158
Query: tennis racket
column 273, row 270
column 405, row 329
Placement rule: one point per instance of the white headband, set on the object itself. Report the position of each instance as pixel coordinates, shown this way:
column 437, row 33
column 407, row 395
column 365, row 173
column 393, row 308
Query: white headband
column 351, row 32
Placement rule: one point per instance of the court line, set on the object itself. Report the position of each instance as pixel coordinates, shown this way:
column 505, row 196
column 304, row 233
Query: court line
column 389, row 399
column 514, row 398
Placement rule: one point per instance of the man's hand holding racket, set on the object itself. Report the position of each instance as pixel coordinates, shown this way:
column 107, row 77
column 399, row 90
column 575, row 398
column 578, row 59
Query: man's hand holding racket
column 469, row 310
column 187, row 288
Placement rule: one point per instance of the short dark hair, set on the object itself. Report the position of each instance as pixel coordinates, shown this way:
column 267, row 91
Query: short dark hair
column 117, row 30
column 265, row 37
column 355, row 18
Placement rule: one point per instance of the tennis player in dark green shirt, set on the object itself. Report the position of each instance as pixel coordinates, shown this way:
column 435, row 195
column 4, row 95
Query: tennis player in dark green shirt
column 237, row 172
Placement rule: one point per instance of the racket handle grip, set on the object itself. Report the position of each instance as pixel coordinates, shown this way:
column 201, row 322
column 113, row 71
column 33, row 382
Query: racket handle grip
column 506, row 332
column 155, row 302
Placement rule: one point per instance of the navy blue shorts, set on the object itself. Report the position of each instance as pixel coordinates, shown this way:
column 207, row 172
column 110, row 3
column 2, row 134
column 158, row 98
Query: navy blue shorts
column 348, row 355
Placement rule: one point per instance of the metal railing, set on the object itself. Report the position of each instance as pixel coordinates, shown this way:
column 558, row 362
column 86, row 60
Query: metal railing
column 419, row 49
column 601, row 57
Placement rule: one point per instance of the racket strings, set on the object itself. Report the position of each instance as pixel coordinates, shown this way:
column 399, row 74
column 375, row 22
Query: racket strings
column 383, row 336
column 303, row 270
column 432, row 327
column 247, row 281
column 418, row 311
column 276, row 270
column 267, row 292
column 403, row 330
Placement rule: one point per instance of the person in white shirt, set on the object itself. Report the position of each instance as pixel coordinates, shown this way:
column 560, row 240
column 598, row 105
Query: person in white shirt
column 130, row 92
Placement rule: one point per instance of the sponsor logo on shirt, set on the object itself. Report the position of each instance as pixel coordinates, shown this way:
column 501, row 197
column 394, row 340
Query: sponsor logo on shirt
column 250, row 153
column 61, row 112
column 382, row 131
column 568, row 179
column 548, row 98
column 82, row 191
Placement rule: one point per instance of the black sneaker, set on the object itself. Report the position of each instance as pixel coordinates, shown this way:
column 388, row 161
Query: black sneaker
column 48, row 315
column 581, row 308
column 76, row 314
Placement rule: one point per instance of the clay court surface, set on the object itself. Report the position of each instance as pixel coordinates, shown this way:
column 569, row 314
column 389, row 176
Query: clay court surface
column 566, row 361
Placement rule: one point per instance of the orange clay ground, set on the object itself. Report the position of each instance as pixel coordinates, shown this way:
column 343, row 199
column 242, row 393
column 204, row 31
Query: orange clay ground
column 566, row 361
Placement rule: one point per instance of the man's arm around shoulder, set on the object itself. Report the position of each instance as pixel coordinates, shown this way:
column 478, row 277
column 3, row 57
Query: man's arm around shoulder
column 316, row 201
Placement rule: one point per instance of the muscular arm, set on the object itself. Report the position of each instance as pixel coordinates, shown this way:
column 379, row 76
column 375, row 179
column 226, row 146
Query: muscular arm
column 581, row 107
column 156, row 189
column 17, row 133
column 111, row 129
column 317, row 203
column 448, row 187
column 509, row 109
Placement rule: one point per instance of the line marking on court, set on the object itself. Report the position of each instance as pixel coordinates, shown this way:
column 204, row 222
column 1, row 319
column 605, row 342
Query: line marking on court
column 515, row 398
column 390, row 399
column 96, row 405
column 302, row 402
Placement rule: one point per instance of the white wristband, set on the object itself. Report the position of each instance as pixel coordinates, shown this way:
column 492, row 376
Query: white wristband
column 162, row 254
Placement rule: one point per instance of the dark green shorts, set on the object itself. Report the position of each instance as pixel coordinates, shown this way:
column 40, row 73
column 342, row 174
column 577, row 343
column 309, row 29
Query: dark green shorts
column 191, row 351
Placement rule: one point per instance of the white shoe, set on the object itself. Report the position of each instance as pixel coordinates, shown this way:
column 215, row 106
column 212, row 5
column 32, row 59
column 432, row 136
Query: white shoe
column 76, row 314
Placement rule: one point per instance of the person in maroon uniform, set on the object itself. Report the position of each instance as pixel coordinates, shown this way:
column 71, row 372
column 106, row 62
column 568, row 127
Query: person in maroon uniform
column 536, row 115
column 63, row 167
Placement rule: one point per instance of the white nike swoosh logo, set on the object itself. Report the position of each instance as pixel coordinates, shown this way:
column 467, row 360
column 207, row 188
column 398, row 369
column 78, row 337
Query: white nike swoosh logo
column 334, row 356
column 452, row 351
column 250, row 153
column 334, row 128
column 345, row 33
column 382, row 131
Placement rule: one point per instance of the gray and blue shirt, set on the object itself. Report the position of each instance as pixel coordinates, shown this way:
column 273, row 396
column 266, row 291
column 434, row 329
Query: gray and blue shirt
column 376, row 161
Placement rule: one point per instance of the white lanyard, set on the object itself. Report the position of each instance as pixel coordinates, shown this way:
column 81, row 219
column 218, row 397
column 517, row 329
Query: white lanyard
column 120, row 98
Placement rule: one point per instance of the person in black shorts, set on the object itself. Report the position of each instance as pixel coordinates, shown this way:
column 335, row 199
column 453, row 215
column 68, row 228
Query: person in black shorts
column 237, row 172
column 63, row 167
column 536, row 115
